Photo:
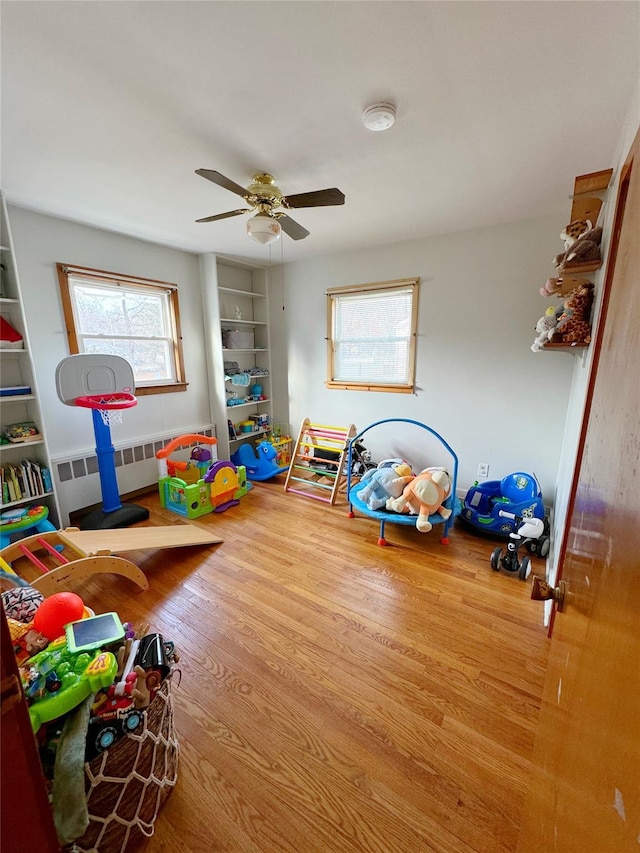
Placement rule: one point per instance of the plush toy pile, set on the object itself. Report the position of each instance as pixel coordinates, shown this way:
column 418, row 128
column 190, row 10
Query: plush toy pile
column 393, row 487
column 569, row 322
column 423, row 496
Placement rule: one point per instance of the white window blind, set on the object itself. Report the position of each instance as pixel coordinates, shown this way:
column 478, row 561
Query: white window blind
column 372, row 336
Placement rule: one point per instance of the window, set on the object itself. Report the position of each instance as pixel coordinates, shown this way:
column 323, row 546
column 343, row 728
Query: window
column 135, row 318
column 372, row 336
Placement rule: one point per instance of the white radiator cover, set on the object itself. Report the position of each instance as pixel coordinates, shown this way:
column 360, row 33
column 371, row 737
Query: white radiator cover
column 77, row 480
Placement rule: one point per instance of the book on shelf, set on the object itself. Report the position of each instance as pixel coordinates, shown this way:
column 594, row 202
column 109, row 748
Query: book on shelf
column 28, row 479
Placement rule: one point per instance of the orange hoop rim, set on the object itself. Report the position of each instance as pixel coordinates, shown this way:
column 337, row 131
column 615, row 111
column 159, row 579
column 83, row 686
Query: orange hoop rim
column 117, row 400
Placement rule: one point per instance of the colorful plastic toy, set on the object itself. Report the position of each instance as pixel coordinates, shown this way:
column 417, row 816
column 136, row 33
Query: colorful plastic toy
column 215, row 485
column 517, row 494
column 259, row 463
column 55, row 681
column 22, row 519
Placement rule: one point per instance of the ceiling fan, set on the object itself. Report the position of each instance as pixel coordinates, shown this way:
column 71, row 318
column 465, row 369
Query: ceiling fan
column 264, row 196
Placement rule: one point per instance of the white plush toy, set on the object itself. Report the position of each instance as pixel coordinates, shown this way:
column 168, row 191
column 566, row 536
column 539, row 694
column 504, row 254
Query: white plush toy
column 544, row 327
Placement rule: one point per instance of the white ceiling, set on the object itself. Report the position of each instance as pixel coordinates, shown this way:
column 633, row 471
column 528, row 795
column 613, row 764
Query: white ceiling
column 109, row 107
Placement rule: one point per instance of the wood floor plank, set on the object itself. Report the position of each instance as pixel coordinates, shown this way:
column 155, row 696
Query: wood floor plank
column 336, row 696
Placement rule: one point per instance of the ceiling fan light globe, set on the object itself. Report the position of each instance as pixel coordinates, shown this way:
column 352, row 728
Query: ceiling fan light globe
column 263, row 229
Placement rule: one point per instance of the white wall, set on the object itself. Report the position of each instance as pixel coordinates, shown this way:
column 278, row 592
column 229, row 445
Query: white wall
column 41, row 241
column 478, row 383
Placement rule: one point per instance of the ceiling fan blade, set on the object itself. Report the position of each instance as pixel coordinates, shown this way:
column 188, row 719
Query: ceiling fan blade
column 291, row 227
column 221, row 181
column 317, row 198
column 224, row 215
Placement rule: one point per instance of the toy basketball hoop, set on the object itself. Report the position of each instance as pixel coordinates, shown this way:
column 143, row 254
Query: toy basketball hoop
column 110, row 406
column 103, row 383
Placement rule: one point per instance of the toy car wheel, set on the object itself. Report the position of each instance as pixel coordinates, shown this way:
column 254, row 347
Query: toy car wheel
column 525, row 569
column 132, row 721
column 530, row 546
column 496, row 555
column 543, row 546
column 106, row 738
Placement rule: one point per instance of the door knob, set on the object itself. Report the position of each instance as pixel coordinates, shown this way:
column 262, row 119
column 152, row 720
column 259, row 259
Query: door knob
column 542, row 591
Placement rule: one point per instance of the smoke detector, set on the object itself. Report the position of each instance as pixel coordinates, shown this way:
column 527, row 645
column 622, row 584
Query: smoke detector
column 379, row 116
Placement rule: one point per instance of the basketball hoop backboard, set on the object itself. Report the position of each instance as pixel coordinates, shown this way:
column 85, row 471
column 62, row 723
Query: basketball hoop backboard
column 88, row 374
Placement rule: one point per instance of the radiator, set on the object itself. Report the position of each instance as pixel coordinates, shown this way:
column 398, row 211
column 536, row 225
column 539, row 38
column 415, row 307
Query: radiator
column 77, row 480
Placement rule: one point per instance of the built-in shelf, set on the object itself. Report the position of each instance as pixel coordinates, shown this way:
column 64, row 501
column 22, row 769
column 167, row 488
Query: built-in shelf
column 243, row 436
column 246, row 350
column 18, row 374
column 243, row 306
column 242, row 322
column 18, row 445
column 32, row 499
column 249, row 403
column 249, row 294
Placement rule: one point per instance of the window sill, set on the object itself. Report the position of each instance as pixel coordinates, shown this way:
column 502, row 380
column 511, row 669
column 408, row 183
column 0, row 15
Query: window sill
column 369, row 386
column 161, row 389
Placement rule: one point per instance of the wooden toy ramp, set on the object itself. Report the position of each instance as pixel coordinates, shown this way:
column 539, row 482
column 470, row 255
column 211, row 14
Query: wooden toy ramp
column 73, row 553
column 317, row 467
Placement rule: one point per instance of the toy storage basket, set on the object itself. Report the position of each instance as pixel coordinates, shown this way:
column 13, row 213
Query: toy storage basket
column 127, row 785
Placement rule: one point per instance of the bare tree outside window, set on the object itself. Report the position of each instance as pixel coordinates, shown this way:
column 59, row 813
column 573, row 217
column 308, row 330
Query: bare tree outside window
column 137, row 319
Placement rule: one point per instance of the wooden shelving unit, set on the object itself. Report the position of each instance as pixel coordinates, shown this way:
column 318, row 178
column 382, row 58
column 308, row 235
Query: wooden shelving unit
column 588, row 199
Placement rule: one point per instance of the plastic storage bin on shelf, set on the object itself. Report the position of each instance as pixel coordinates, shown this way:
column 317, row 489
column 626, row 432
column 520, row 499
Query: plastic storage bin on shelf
column 235, row 339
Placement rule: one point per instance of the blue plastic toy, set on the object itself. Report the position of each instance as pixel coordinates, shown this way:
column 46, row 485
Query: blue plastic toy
column 260, row 463
column 517, row 494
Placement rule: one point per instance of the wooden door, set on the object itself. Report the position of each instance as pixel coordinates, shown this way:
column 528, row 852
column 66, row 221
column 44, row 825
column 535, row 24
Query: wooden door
column 26, row 822
column 585, row 794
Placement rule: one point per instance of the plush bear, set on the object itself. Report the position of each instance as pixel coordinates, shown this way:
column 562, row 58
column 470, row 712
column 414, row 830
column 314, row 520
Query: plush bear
column 585, row 248
column 382, row 483
column 424, row 496
column 545, row 327
column 573, row 324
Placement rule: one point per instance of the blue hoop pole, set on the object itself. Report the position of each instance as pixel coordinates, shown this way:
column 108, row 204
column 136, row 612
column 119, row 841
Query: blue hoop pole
column 105, row 452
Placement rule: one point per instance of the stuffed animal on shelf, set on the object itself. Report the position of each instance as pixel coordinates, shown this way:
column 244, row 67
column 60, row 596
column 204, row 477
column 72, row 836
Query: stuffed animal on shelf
column 384, row 482
column 424, row 496
column 573, row 325
column 583, row 249
column 572, row 232
column 545, row 327
column 551, row 287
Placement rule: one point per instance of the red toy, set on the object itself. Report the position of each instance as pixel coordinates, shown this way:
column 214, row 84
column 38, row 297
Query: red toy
column 56, row 611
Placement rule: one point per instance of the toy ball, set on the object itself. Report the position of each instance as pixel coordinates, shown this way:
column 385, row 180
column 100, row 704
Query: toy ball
column 57, row 611
column 22, row 602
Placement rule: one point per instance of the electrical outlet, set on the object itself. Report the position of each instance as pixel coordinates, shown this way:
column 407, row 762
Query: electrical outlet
column 483, row 469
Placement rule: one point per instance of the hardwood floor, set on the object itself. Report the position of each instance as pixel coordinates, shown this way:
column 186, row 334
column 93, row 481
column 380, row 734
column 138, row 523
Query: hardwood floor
column 336, row 695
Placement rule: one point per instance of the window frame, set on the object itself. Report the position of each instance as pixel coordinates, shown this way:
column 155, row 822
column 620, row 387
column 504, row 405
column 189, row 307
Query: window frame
column 389, row 286
column 67, row 271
